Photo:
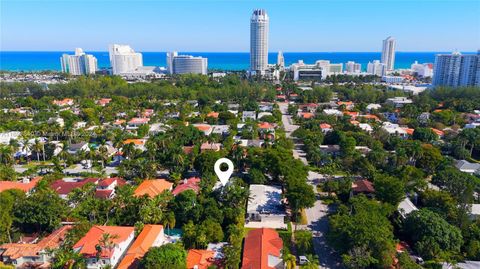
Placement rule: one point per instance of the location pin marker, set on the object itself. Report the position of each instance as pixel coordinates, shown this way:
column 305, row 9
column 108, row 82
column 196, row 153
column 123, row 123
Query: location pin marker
column 224, row 176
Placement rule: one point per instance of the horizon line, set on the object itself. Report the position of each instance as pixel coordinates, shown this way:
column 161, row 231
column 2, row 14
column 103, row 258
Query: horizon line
column 405, row 51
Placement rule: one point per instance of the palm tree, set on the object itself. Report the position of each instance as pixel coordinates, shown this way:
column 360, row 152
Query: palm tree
column 106, row 243
column 312, row 262
column 37, row 147
column 168, row 220
column 64, row 155
column 289, row 260
column 6, row 155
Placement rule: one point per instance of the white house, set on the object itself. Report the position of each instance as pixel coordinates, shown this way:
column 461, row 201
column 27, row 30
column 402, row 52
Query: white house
column 96, row 256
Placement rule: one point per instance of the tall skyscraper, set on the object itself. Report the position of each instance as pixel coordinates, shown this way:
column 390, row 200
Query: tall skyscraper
column 388, row 53
column 79, row 63
column 186, row 64
column 377, row 68
column 457, row 70
column 259, row 41
column 353, row 67
column 280, row 60
column 124, row 59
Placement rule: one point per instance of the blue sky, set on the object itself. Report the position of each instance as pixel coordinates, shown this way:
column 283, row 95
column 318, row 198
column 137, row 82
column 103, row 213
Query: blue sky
column 323, row 25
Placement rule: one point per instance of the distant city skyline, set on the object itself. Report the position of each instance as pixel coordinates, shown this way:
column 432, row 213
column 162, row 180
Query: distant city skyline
column 224, row 26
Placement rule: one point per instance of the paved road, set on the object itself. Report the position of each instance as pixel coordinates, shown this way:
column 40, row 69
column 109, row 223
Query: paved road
column 316, row 215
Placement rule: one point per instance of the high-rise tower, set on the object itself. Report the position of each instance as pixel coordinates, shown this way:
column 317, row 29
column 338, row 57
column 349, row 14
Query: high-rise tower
column 388, row 53
column 259, row 41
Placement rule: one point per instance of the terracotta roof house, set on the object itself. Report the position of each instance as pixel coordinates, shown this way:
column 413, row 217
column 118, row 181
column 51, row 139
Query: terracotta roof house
column 325, row 127
column 151, row 236
column 26, row 185
column 362, row 186
column 262, row 250
column 348, row 104
column 192, row 183
column 121, row 237
column 213, row 115
column 136, row 122
column 63, row 188
column 104, row 101
column 200, row 258
column 138, row 143
column 153, row 187
column 306, row 115
column 440, row 133
column 30, row 255
column 310, row 107
column 64, row 102
column 206, row 129
column 106, row 187
column 210, row 146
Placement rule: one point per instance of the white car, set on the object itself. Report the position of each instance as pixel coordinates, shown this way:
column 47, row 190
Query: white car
column 302, row 260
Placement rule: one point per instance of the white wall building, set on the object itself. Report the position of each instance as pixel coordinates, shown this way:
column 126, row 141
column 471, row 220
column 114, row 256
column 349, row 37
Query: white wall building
column 259, row 23
column 280, row 60
column 388, row 53
column 318, row 71
column 353, row 67
column 376, row 68
column 422, row 70
column 186, row 64
column 79, row 63
column 457, row 70
column 392, row 79
column 124, row 59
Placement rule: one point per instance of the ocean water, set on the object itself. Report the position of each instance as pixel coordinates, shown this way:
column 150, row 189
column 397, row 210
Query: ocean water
column 40, row 61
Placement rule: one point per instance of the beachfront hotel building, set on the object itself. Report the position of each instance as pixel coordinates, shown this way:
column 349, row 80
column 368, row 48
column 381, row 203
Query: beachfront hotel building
column 186, row 64
column 456, row 70
column 259, row 42
column 315, row 72
column 388, row 53
column 79, row 63
column 353, row 67
column 377, row 68
column 124, row 59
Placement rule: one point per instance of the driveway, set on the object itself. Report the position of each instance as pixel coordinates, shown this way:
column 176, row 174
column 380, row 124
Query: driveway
column 318, row 214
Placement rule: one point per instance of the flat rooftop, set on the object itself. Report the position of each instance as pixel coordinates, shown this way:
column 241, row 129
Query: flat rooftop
column 265, row 199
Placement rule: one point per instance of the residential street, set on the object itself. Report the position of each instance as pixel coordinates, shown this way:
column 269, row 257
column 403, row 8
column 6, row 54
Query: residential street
column 317, row 215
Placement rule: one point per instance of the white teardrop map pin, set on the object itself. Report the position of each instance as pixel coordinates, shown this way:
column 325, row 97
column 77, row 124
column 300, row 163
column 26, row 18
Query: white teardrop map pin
column 224, row 176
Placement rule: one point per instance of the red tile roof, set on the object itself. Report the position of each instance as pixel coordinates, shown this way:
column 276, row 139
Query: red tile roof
column 153, row 187
column 145, row 240
column 64, row 187
column 52, row 241
column 18, row 185
column 307, row 115
column 87, row 245
column 259, row 244
column 438, row 132
column 325, row 126
column 103, row 194
column 108, row 181
column 213, row 114
column 192, row 183
column 139, row 121
column 200, row 258
column 362, row 186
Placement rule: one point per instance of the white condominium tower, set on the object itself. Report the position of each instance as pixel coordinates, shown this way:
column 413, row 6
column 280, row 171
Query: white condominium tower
column 353, row 67
column 186, row 64
column 78, row 64
column 124, row 59
column 457, row 70
column 388, row 53
column 259, row 41
column 280, row 60
column 377, row 68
